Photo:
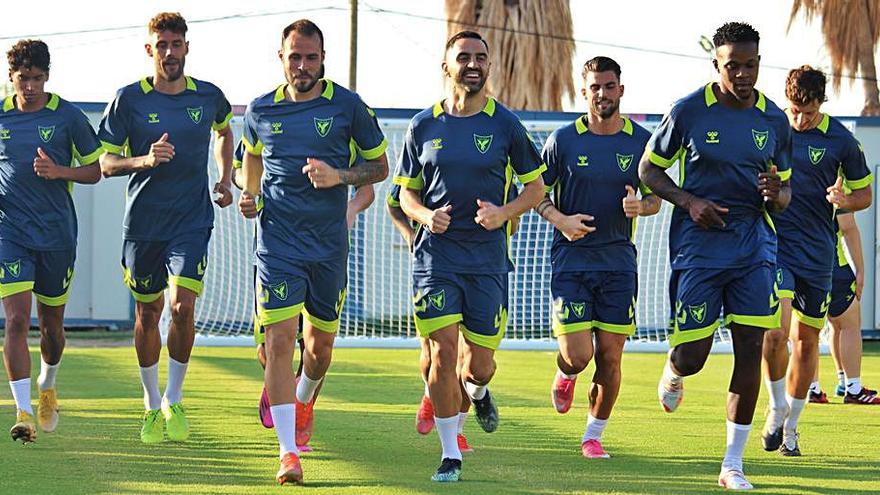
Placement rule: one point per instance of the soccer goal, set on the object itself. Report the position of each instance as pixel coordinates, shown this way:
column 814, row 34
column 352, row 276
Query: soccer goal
column 378, row 311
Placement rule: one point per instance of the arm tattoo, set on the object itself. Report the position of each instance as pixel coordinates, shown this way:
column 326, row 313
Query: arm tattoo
column 543, row 205
column 365, row 173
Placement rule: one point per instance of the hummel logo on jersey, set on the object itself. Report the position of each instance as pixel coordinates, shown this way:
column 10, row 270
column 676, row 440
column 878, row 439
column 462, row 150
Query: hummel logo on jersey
column 323, row 126
column 437, row 300
column 582, row 161
column 152, row 118
column 280, row 290
column 276, row 128
column 5, row 134
column 483, row 142
column 200, row 268
column 712, row 137
column 46, row 133
column 624, row 161
column 14, row 268
column 578, row 308
column 66, row 282
column 501, row 318
column 195, row 114
column 437, row 144
column 698, row 313
column 816, row 154
column 760, row 138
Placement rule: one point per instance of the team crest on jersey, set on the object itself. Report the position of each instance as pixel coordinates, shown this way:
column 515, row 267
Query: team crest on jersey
column 583, row 161
column 816, row 154
column 152, row 118
column 195, row 114
column 280, row 290
column 144, row 282
column 46, row 133
column 760, row 138
column 323, row 126
column 437, row 300
column 698, row 313
column 578, row 308
column 483, row 142
column 712, row 137
column 13, row 267
column 624, row 161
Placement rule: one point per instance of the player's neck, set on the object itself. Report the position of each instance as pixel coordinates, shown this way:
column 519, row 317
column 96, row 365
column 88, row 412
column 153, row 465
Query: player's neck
column 730, row 100
column 463, row 104
column 605, row 127
column 167, row 87
column 22, row 106
column 293, row 95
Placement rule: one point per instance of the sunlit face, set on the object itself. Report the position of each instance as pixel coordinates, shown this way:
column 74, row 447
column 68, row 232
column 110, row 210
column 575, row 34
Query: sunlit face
column 467, row 64
column 737, row 64
column 804, row 117
column 168, row 51
column 303, row 60
column 602, row 91
column 28, row 83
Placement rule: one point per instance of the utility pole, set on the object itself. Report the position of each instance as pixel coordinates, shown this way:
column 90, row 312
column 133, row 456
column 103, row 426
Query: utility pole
column 353, row 47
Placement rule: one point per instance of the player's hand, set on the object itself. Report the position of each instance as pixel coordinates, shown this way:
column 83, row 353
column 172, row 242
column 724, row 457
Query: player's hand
column 632, row 206
column 769, row 185
column 836, row 195
column 439, row 220
column 514, row 225
column 351, row 216
column 705, row 213
column 247, row 205
column 489, row 216
column 860, row 284
column 45, row 167
column 321, row 174
column 573, row 227
column 223, row 196
column 160, row 152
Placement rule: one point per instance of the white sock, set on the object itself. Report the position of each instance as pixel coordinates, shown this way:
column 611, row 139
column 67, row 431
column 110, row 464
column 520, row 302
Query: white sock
column 150, row 381
column 595, row 428
column 854, row 385
column 46, row 380
column 21, row 392
column 176, row 374
column 462, row 417
column 815, row 388
column 560, row 375
column 474, row 391
column 427, row 391
column 776, row 392
column 841, row 378
column 669, row 375
column 789, row 427
column 305, row 389
column 447, row 430
column 736, row 443
column 284, row 417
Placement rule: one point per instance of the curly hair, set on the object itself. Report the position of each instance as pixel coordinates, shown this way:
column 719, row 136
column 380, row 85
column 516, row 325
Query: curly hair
column 805, row 85
column 168, row 21
column 28, row 54
column 735, row 32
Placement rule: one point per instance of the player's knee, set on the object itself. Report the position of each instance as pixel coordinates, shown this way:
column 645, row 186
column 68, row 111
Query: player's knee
column 17, row 322
column 775, row 339
column 577, row 361
column 183, row 311
column 687, row 364
column 607, row 364
column 481, row 374
column 148, row 315
column 279, row 344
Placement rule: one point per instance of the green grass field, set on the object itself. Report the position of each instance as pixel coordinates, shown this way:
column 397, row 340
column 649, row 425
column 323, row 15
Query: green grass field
column 365, row 441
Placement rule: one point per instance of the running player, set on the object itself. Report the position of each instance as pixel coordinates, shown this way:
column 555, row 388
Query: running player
column 41, row 138
column 157, row 131
column 300, row 142
column 455, row 182
column 591, row 171
column 735, row 149
column 821, row 148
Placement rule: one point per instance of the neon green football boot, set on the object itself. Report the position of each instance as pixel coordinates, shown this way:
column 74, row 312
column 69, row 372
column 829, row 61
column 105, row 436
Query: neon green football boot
column 175, row 421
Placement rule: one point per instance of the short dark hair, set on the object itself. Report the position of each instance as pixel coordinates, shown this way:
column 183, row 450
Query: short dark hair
column 471, row 35
column 601, row 64
column 805, row 85
column 28, row 54
column 304, row 27
column 735, row 32
column 168, row 21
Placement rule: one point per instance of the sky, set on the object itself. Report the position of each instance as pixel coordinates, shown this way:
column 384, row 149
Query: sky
column 97, row 47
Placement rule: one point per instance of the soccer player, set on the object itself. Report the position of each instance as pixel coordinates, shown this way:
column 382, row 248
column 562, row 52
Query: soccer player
column 300, row 140
column 591, row 170
column 157, row 131
column 821, row 148
column 41, row 138
column 735, row 149
column 455, row 182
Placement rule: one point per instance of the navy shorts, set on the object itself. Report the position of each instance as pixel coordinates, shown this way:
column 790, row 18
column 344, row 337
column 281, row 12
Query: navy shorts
column 587, row 300
column 843, row 290
column 809, row 297
column 149, row 266
column 47, row 273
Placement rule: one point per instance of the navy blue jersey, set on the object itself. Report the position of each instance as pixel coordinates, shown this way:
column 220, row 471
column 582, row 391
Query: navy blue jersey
column 456, row 161
column 806, row 228
column 303, row 222
column 35, row 212
column 588, row 173
column 722, row 150
column 171, row 199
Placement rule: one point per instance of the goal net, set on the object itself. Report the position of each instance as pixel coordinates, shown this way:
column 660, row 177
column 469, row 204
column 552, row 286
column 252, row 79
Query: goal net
column 378, row 310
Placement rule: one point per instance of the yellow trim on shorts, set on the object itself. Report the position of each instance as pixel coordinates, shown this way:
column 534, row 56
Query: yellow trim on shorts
column 14, row 288
column 273, row 316
column 679, row 337
column 627, row 329
column 329, row 326
column 426, row 326
column 54, row 301
column 190, row 283
column 488, row 341
column 769, row 321
column 810, row 321
column 560, row 328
